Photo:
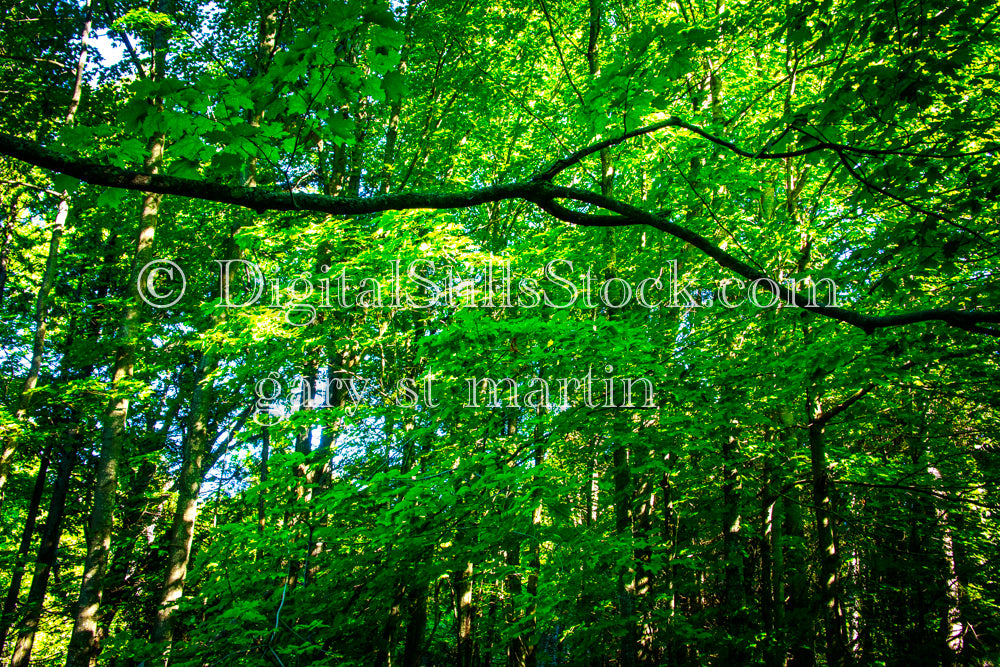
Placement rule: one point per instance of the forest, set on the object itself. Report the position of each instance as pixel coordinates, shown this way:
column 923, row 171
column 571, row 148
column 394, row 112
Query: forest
column 521, row 333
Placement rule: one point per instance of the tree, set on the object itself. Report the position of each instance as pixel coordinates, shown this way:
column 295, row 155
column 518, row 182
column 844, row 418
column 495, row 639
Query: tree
column 530, row 333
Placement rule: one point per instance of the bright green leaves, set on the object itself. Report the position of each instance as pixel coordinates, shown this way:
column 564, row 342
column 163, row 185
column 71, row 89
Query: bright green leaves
column 227, row 116
column 141, row 19
column 408, row 492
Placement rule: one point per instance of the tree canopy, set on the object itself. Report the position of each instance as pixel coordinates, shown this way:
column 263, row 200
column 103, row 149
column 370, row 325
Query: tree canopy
column 476, row 333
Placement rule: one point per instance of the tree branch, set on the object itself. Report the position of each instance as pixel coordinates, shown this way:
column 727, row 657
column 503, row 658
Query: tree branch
column 257, row 199
column 674, row 121
column 22, row 184
column 537, row 190
column 917, row 489
column 44, row 61
column 555, row 42
column 133, row 56
column 827, row 415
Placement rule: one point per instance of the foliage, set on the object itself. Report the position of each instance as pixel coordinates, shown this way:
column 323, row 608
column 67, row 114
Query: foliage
column 349, row 458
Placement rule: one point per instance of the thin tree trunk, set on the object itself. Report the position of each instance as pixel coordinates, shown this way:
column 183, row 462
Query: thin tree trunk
column 535, row 558
column 669, row 533
column 20, row 562
column 643, row 575
column 628, row 648
column 41, row 309
column 139, row 513
column 734, row 600
column 829, row 560
column 391, row 134
column 196, row 462
column 959, row 637
column 952, row 625
column 265, row 455
column 38, row 346
column 772, row 556
column 798, row 614
column 387, row 639
column 84, row 643
column 512, row 557
column 774, row 575
column 464, row 612
column 395, row 109
column 47, row 550
column 361, row 119
column 592, row 490
column 51, row 264
column 416, row 606
column 196, row 446
column 14, row 212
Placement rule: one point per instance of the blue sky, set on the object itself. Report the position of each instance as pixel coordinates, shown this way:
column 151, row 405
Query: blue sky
column 110, row 52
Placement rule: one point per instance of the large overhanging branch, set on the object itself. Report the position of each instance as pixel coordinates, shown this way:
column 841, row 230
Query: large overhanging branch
column 258, row 199
column 763, row 154
column 538, row 190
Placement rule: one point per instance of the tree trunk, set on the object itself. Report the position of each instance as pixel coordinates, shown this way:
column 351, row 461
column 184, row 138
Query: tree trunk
column 829, row 561
column 47, row 550
column 41, row 309
column 416, row 606
column 395, row 108
column 10, row 219
column 265, row 454
column 535, row 559
column 139, row 513
column 38, row 346
column 669, row 537
column 464, row 613
column 387, row 638
column 84, row 644
column 773, row 574
column 192, row 472
column 20, row 562
column 734, row 617
column 772, row 553
column 798, row 614
column 51, row 264
column 629, row 647
column 512, row 557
